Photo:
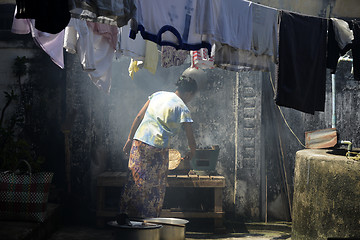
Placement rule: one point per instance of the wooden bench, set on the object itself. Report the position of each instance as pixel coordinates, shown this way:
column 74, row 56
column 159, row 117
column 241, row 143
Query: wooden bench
column 118, row 179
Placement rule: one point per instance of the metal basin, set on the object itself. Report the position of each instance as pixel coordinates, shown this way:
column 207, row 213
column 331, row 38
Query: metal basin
column 173, row 228
column 137, row 231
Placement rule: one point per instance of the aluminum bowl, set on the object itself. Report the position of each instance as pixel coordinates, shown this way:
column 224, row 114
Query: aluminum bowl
column 137, row 231
column 173, row 228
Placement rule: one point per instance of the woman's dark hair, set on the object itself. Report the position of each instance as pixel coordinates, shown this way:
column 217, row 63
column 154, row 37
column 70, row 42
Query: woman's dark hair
column 186, row 84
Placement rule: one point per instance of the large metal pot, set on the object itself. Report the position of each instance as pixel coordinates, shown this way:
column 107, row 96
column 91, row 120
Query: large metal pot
column 137, row 231
column 173, row 228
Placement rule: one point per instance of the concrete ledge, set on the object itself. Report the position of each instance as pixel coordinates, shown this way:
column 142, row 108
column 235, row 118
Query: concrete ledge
column 326, row 196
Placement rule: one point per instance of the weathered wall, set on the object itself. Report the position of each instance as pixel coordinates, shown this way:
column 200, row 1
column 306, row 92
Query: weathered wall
column 11, row 46
column 235, row 112
column 280, row 144
column 326, row 196
column 46, row 110
column 226, row 112
column 248, row 154
column 321, row 8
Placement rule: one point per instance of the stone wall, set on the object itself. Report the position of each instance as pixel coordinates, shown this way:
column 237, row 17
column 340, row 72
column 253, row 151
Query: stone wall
column 234, row 111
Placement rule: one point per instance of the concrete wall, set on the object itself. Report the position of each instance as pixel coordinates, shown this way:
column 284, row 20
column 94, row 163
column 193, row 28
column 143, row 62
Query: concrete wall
column 236, row 112
column 226, row 112
column 281, row 145
column 321, row 8
column 102, row 122
column 46, row 105
column 326, row 196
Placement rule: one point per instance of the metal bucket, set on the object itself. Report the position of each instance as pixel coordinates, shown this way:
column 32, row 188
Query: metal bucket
column 173, row 228
column 137, row 231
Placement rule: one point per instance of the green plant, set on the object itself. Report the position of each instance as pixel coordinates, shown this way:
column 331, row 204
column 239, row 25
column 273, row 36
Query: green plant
column 18, row 133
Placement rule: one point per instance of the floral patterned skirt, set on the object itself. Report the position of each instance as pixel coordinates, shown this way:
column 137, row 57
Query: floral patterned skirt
column 143, row 194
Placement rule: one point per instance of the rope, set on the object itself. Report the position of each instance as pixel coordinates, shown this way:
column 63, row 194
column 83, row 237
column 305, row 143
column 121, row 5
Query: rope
column 282, row 159
column 282, row 115
column 282, row 155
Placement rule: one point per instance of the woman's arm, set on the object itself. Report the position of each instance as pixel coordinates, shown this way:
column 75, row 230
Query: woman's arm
column 191, row 140
column 139, row 117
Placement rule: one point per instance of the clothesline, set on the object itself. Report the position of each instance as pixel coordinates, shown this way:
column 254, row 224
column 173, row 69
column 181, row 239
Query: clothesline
column 235, row 35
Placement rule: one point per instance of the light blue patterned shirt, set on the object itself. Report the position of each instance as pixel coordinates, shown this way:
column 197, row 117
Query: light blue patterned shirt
column 162, row 119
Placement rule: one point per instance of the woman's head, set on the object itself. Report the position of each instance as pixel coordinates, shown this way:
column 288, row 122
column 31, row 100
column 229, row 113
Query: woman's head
column 186, row 87
column 186, row 84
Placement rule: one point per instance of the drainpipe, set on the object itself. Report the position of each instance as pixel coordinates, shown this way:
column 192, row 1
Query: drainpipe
column 236, row 112
column 333, row 91
column 333, row 120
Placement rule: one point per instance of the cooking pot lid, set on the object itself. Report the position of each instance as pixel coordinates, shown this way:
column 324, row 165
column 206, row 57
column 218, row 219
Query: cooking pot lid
column 167, row 221
column 135, row 225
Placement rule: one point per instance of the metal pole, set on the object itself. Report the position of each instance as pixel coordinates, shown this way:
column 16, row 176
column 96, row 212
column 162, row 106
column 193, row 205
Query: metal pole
column 333, row 91
column 236, row 111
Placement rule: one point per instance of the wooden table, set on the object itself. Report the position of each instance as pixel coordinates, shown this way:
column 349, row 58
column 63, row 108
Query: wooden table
column 118, row 179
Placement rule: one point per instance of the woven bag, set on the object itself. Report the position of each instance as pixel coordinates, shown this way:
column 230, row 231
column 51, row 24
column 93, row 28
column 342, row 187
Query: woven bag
column 24, row 196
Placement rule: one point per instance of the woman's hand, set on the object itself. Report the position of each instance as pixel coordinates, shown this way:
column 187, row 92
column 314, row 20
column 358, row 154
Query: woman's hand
column 189, row 155
column 186, row 160
column 127, row 147
column 191, row 140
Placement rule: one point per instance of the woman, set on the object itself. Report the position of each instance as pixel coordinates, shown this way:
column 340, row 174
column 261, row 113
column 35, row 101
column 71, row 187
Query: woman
column 160, row 118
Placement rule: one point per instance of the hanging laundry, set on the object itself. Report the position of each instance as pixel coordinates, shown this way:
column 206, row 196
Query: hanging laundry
column 339, row 42
column 302, row 62
column 172, row 57
column 50, row 16
column 168, row 23
column 356, row 49
column 264, row 44
column 70, row 37
column 109, row 32
column 234, row 59
column 95, row 47
column 112, row 12
column 52, row 44
column 133, row 48
column 265, row 29
column 103, row 56
column 21, row 26
column 202, row 59
column 343, row 34
column 133, row 67
column 79, row 39
column 105, row 40
column 333, row 49
column 151, row 57
column 228, row 22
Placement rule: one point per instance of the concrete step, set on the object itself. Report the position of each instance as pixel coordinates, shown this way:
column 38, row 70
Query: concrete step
column 19, row 230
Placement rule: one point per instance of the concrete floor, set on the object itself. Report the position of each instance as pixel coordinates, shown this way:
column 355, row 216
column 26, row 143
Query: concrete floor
column 88, row 233
column 197, row 229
